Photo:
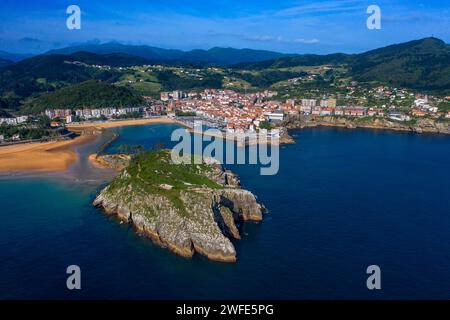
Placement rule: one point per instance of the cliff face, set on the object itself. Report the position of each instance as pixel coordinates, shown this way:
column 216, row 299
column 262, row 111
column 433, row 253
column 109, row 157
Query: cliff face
column 421, row 125
column 186, row 208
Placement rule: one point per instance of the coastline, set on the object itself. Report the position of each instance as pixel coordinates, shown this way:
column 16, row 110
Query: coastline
column 77, row 127
column 421, row 125
column 60, row 155
column 40, row 157
column 285, row 138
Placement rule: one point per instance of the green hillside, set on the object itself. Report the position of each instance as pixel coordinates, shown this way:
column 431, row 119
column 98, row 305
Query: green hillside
column 89, row 94
column 112, row 59
column 300, row 60
column 4, row 63
column 421, row 64
column 30, row 77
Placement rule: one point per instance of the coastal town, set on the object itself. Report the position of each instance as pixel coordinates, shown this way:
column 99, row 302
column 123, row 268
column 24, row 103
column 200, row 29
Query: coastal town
column 224, row 159
column 236, row 112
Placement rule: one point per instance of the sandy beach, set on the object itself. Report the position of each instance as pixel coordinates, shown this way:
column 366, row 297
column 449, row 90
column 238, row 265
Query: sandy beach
column 59, row 155
column 118, row 123
column 46, row 156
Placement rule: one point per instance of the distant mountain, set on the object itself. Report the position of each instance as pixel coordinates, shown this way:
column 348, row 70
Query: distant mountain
column 220, row 56
column 421, row 64
column 299, row 60
column 92, row 94
column 4, row 63
column 111, row 59
column 229, row 56
column 147, row 52
column 13, row 56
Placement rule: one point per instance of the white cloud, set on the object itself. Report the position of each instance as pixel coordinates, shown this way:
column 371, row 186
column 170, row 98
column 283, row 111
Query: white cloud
column 268, row 38
column 321, row 7
column 306, row 41
column 259, row 38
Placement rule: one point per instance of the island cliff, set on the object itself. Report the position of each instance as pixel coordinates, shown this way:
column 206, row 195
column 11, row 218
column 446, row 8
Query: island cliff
column 423, row 125
column 186, row 208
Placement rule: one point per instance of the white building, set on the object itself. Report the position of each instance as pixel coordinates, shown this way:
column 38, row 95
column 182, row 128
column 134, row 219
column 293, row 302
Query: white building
column 274, row 116
column 21, row 119
column 324, row 103
column 290, row 102
column 305, row 109
column 177, row 95
column 339, row 111
column 8, row 121
column 309, row 103
column 399, row 117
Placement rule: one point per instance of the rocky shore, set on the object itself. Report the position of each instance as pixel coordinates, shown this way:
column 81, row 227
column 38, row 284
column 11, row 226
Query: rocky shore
column 422, row 125
column 248, row 139
column 113, row 161
column 187, row 208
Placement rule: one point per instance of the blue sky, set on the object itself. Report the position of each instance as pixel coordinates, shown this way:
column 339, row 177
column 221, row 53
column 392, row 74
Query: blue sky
column 284, row 25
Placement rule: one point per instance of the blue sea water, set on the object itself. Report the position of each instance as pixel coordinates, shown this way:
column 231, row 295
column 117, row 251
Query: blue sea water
column 342, row 200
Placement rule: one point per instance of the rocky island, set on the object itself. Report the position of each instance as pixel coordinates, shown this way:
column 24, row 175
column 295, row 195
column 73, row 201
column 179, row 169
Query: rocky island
column 186, row 208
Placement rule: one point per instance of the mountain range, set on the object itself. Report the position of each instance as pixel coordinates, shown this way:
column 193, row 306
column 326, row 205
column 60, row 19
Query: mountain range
column 14, row 57
column 218, row 56
column 4, row 63
column 423, row 65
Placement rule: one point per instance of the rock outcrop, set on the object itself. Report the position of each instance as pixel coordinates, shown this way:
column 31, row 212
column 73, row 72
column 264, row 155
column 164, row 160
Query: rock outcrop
column 197, row 210
column 422, row 125
column 113, row 161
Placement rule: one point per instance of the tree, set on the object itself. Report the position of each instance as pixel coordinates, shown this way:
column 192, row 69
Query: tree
column 265, row 125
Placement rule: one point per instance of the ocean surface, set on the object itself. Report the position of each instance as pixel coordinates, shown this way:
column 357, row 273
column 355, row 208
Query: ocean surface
column 342, row 200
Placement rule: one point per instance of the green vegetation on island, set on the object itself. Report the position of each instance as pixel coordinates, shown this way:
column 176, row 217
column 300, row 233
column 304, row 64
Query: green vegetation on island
column 187, row 208
column 149, row 170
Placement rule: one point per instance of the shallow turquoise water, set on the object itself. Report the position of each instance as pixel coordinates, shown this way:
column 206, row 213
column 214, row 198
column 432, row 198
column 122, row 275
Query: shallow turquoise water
column 342, row 200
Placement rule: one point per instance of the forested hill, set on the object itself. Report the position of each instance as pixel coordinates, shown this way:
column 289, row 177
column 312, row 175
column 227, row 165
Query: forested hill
column 420, row 64
column 4, row 63
column 39, row 74
column 89, row 94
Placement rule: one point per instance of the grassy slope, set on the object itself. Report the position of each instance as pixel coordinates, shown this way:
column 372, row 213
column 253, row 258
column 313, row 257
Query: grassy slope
column 150, row 170
column 87, row 94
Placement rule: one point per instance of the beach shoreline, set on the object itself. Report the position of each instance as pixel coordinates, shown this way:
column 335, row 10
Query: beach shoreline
column 101, row 125
column 57, row 156
column 40, row 156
